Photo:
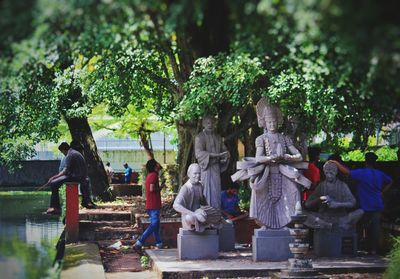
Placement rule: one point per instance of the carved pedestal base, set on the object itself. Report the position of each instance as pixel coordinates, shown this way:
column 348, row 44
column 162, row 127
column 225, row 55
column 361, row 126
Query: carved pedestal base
column 196, row 246
column 227, row 237
column 271, row 245
column 335, row 243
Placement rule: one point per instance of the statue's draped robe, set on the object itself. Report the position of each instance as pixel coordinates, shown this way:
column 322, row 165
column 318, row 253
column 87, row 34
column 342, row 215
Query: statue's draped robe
column 274, row 191
column 211, row 168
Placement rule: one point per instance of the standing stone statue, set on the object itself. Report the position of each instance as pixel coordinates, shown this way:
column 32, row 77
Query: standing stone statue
column 191, row 203
column 273, row 175
column 213, row 159
column 333, row 198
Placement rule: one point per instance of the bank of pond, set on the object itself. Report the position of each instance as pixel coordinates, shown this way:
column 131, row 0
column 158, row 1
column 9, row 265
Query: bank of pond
column 28, row 238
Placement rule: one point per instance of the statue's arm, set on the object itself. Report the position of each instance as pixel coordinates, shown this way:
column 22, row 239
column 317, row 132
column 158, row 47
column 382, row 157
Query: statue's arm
column 294, row 155
column 180, row 201
column 201, row 150
column 347, row 198
column 261, row 158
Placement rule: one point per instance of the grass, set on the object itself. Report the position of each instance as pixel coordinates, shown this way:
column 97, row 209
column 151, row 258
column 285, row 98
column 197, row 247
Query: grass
column 24, row 193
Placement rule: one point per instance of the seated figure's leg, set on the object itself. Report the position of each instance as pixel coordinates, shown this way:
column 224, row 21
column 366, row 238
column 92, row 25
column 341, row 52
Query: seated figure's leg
column 240, row 216
column 355, row 216
column 55, row 186
column 189, row 222
column 351, row 219
column 85, row 192
column 314, row 221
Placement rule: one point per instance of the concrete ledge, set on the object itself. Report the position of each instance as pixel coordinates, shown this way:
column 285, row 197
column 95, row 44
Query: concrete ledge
column 239, row 263
column 121, row 190
column 83, row 261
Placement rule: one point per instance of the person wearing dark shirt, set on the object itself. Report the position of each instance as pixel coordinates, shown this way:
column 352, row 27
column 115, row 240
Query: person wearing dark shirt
column 312, row 173
column 74, row 170
column 230, row 204
column 127, row 173
column 153, row 205
column 371, row 183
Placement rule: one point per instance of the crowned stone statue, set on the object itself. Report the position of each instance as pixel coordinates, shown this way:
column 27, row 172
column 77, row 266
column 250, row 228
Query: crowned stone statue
column 273, row 173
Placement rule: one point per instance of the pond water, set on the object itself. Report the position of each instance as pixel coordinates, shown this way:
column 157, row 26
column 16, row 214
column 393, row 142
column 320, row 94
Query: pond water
column 27, row 237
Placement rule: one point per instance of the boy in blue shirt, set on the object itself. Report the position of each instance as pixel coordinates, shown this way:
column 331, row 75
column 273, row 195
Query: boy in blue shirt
column 371, row 183
column 230, row 204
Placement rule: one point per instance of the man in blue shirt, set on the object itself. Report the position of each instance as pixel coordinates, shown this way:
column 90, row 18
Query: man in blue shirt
column 127, row 174
column 230, row 204
column 371, row 183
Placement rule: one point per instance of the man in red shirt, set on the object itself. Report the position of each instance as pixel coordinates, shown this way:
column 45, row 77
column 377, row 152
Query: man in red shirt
column 312, row 173
column 153, row 205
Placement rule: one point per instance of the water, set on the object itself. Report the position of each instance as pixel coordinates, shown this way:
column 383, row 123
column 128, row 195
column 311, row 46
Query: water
column 27, row 237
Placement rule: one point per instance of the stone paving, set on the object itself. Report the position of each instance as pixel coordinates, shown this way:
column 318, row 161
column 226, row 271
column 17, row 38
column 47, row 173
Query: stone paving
column 239, row 264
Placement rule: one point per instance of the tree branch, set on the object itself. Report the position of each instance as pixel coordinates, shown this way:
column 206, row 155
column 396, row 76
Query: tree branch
column 166, row 46
column 161, row 81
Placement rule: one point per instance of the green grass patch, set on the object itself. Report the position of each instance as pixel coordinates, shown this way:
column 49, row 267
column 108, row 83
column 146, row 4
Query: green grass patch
column 24, row 193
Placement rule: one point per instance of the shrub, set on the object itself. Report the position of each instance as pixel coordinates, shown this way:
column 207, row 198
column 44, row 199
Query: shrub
column 393, row 270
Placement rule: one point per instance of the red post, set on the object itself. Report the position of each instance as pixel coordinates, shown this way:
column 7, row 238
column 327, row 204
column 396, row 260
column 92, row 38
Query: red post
column 72, row 212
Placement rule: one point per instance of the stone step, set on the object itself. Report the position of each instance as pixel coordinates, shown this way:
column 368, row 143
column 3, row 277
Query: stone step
column 104, row 215
column 106, row 230
column 120, row 207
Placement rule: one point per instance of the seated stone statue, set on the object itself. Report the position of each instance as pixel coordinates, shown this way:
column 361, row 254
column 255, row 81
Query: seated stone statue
column 333, row 197
column 191, row 203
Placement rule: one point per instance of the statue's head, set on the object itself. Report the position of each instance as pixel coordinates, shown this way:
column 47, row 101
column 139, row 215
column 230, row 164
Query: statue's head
column 330, row 171
column 208, row 123
column 269, row 115
column 194, row 173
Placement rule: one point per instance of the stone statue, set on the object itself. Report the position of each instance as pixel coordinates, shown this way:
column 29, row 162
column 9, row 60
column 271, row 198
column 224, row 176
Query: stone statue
column 333, row 198
column 213, row 158
column 191, row 203
column 273, row 172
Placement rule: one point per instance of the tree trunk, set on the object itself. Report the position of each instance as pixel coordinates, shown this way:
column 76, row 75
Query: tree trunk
column 81, row 132
column 186, row 135
column 249, row 140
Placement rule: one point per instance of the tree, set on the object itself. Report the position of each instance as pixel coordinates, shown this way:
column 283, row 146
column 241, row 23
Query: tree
column 189, row 58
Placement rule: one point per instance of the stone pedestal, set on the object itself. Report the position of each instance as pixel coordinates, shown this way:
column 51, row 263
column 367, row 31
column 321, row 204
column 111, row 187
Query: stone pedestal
column 271, row 245
column 227, row 237
column 335, row 243
column 196, row 246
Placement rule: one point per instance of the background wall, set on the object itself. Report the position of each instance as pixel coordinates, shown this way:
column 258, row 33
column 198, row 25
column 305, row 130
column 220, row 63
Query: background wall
column 135, row 158
column 32, row 173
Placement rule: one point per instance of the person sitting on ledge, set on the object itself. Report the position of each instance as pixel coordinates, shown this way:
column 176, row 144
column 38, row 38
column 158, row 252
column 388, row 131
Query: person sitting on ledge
column 333, row 197
column 74, row 170
column 230, row 204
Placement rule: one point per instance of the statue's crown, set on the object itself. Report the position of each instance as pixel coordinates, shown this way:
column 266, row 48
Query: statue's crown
column 267, row 111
